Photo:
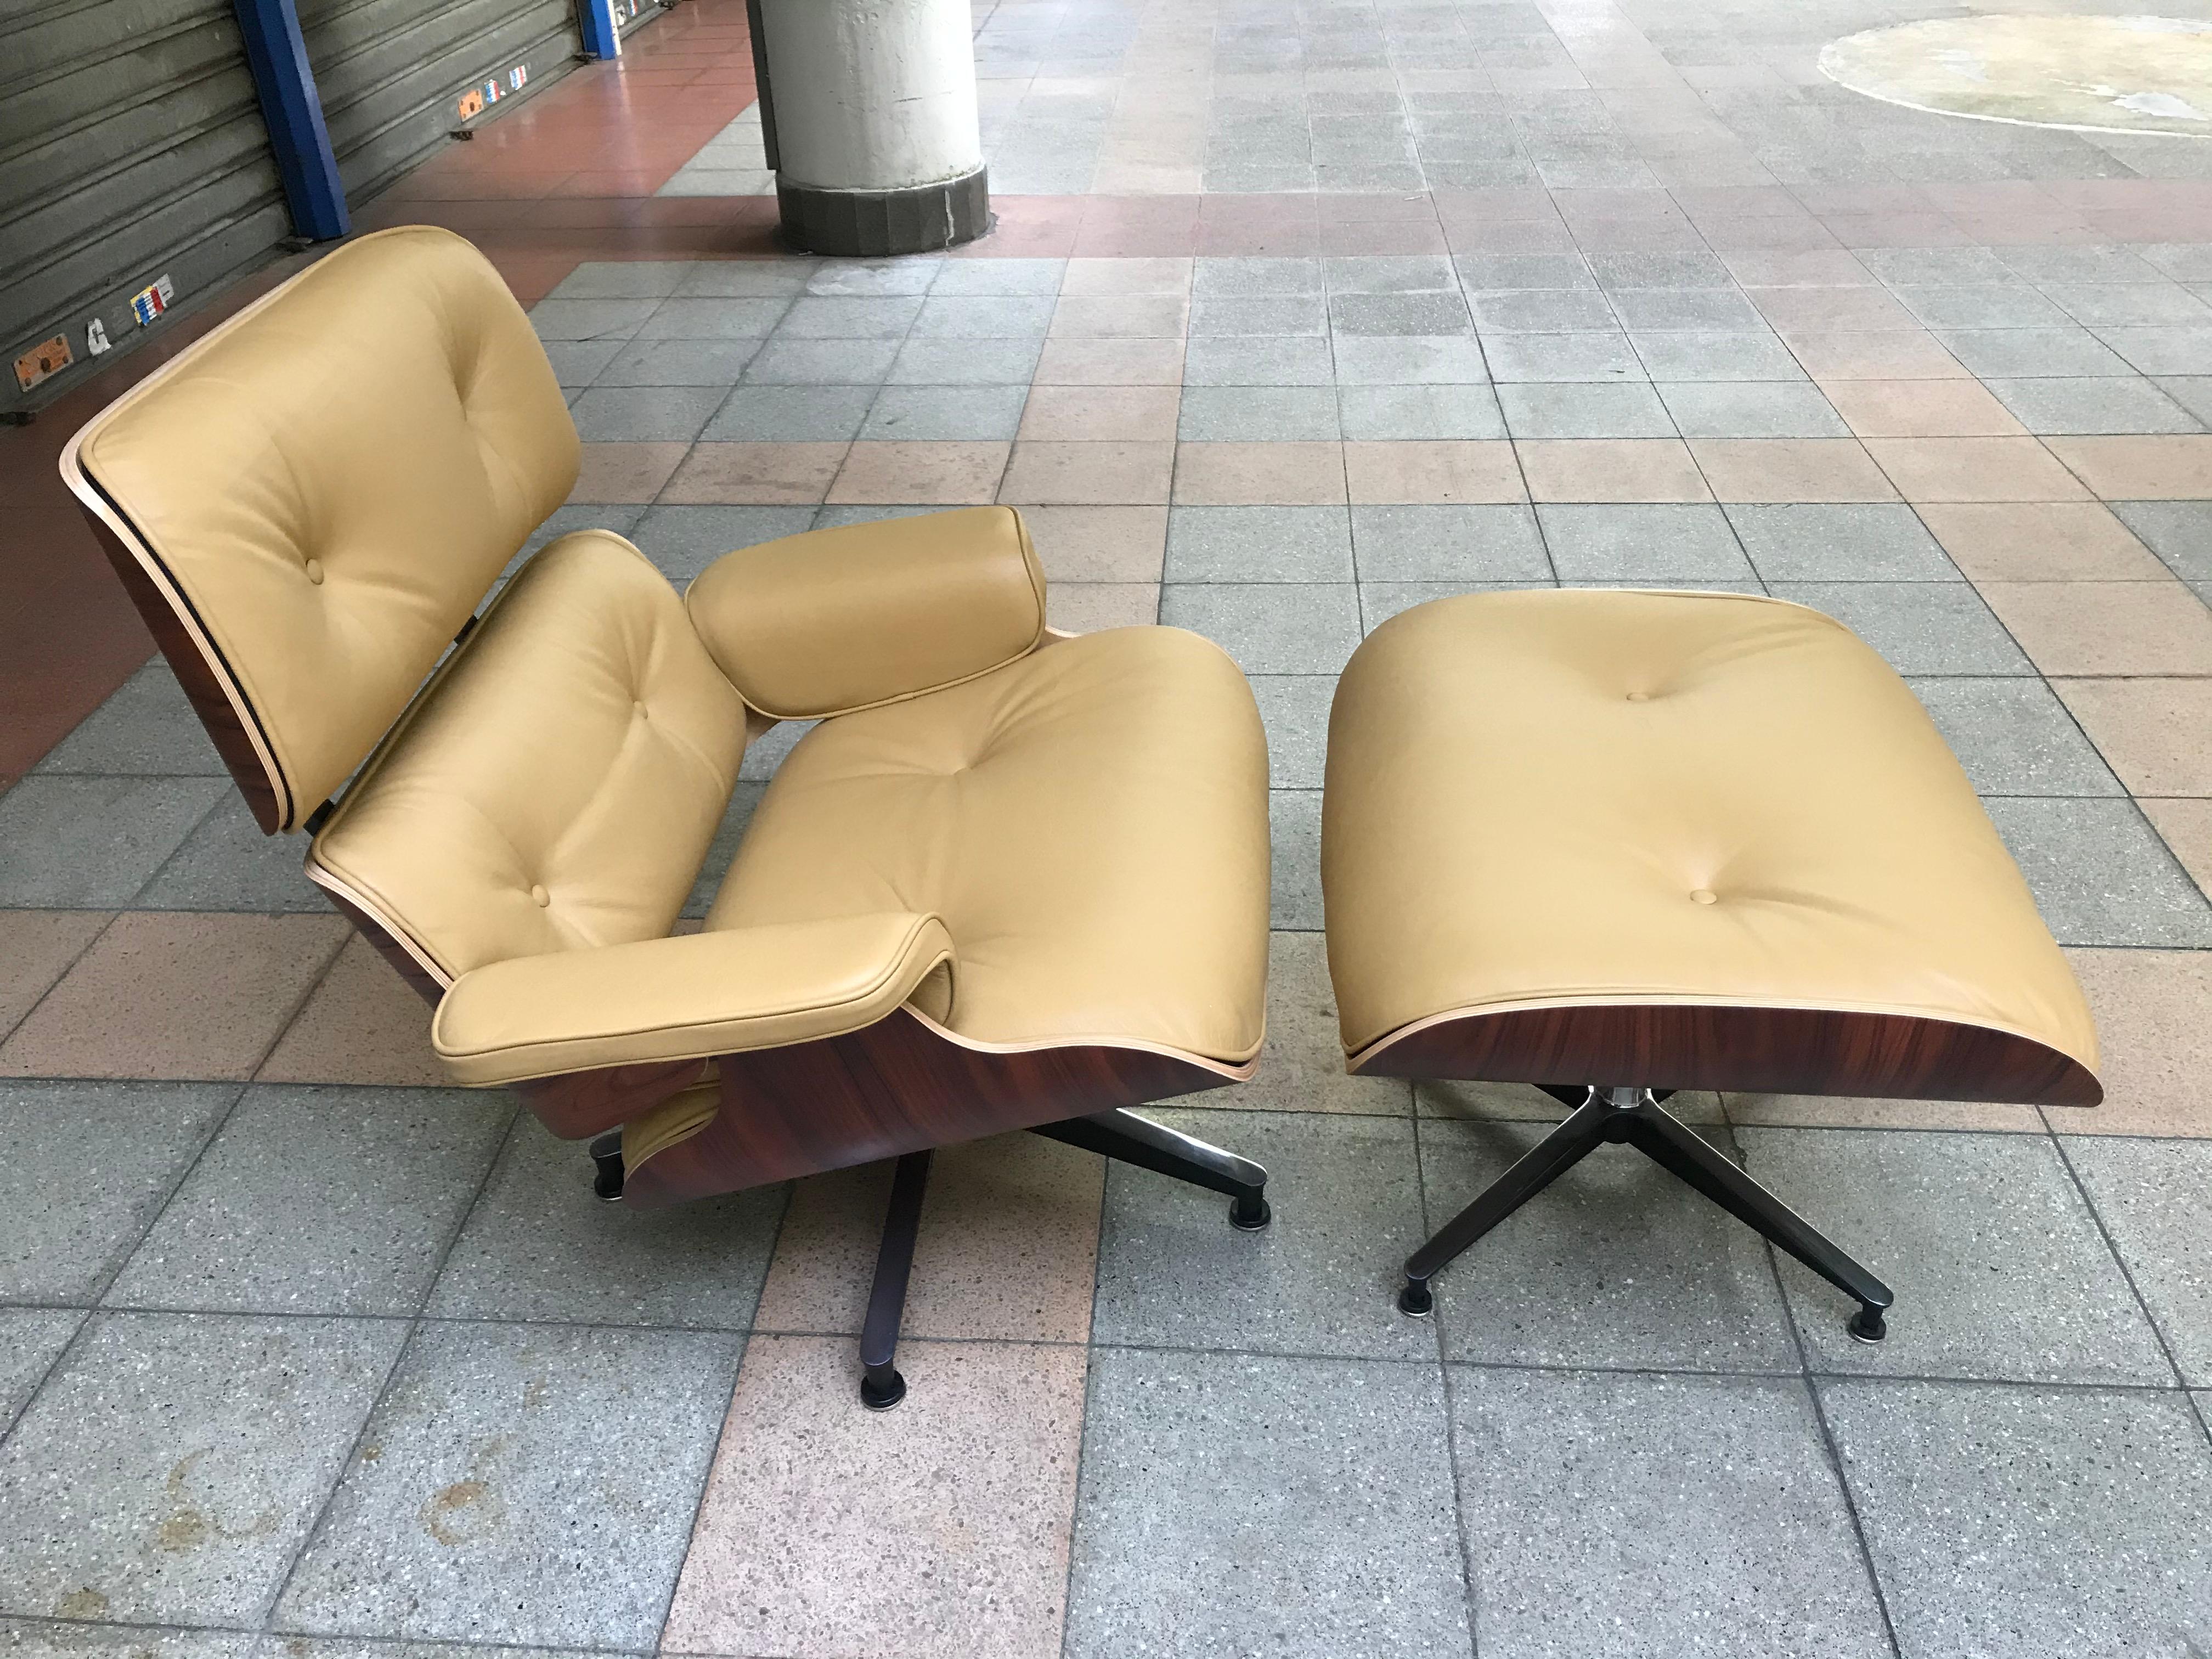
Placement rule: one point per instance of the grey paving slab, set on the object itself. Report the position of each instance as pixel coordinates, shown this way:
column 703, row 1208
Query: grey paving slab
column 530, row 1485
column 1346, row 1192
column 1480, row 271
column 1751, row 409
column 1716, row 355
column 1294, row 875
column 682, row 541
column 967, row 362
column 226, row 863
column 822, row 362
column 1614, row 1516
column 2153, row 304
column 92, row 842
column 934, row 413
column 990, row 316
column 1264, row 316
column 1662, row 268
column 2088, row 263
column 1542, row 311
column 1259, row 544
column 644, row 414
column 1311, row 1517
column 1998, row 1266
column 1421, row 315
column 623, row 279
column 1409, row 360
column 1574, row 411
column 615, row 516
column 689, row 318
column 1587, row 356
column 2015, row 738
column 2192, row 391
column 745, row 278
column 2092, row 403
column 1433, row 542
column 1257, row 360
column 1294, row 709
column 172, row 1465
column 2179, row 532
column 320, row 1201
column 724, row 847
column 911, row 275
column 31, row 1339
column 1616, row 1264
column 89, row 1166
column 2162, row 350
column 1243, row 279
column 2155, row 1199
column 2100, row 874
column 1270, row 627
column 2034, row 1523
column 46, row 1638
column 1387, row 412
column 1390, row 273
column 998, row 276
column 790, row 414
column 1302, row 1066
column 1911, row 267
column 674, row 362
column 1979, row 305
column 1257, row 414
column 146, row 728
column 1642, row 309
column 1380, row 601
column 820, row 317
column 1997, row 353
column 540, row 1246
column 1922, row 628
column 1840, row 542
column 591, row 319
column 1592, row 542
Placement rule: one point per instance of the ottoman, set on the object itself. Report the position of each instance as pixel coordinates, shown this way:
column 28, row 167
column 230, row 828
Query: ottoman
column 1617, row 844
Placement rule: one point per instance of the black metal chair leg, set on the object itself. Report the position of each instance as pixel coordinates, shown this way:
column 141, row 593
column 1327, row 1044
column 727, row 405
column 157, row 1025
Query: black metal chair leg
column 1586, row 1128
column 607, row 1161
column 881, row 1386
column 1683, row 1153
column 1154, row 1146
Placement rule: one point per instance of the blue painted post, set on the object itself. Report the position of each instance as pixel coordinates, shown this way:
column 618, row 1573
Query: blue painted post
column 595, row 19
column 292, row 110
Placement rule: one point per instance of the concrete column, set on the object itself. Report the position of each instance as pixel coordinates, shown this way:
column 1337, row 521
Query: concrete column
column 869, row 111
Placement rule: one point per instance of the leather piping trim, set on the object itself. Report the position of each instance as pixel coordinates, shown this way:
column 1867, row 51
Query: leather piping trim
column 95, row 500
column 1354, row 1061
column 1229, row 1071
column 324, row 876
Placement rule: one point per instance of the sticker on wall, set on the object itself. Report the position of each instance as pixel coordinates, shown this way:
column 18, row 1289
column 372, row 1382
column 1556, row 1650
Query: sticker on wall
column 96, row 338
column 2084, row 74
column 518, row 78
column 48, row 358
column 471, row 105
column 148, row 304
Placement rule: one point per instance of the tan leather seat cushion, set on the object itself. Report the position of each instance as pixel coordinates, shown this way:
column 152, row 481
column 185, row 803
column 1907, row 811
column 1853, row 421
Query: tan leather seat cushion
column 335, row 477
column 560, row 784
column 1089, row 821
column 1528, row 793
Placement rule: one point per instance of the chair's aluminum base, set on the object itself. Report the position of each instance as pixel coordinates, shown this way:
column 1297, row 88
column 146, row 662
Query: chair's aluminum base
column 1634, row 1115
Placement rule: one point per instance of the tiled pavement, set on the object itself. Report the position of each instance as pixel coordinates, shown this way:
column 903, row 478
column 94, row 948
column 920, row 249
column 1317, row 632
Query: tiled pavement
column 308, row 1354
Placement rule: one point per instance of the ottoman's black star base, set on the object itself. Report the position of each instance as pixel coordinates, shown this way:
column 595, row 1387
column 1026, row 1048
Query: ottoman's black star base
column 1634, row 1115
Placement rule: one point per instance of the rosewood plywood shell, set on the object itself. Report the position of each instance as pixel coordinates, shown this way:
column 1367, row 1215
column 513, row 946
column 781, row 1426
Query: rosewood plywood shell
column 1742, row 1050
column 897, row 1086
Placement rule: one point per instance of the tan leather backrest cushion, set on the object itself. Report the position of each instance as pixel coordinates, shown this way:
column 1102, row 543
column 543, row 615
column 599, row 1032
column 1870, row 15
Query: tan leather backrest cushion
column 559, row 783
column 836, row 620
column 336, row 477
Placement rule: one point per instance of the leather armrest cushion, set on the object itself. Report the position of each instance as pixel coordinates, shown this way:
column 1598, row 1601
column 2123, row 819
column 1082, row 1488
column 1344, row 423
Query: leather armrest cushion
column 832, row 621
column 689, row 997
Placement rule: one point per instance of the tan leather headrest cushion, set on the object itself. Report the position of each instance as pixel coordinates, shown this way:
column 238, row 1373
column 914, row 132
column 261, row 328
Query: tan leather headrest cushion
column 335, row 477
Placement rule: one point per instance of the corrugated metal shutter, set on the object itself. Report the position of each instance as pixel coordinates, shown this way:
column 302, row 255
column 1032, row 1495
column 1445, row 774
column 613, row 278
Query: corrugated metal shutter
column 132, row 146
column 390, row 71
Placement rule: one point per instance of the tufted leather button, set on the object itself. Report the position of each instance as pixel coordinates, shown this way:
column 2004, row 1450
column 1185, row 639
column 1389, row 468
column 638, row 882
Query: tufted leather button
column 1703, row 896
column 540, row 897
column 315, row 572
column 1639, row 696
